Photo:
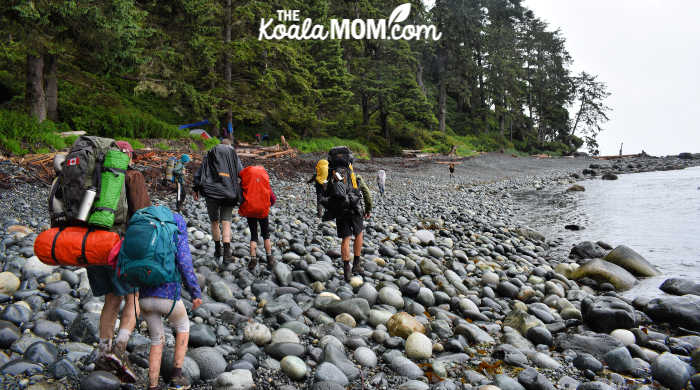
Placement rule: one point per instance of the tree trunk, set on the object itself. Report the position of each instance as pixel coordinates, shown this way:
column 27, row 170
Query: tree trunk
column 383, row 115
column 442, row 97
column 419, row 78
column 34, row 95
column 578, row 115
column 482, row 94
column 365, row 108
column 51, row 80
column 227, row 67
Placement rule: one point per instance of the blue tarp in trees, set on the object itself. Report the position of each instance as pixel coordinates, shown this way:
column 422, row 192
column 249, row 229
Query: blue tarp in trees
column 200, row 123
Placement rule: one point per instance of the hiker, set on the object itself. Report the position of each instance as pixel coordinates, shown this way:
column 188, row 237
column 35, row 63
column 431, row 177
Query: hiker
column 164, row 253
column 217, row 180
column 320, row 179
column 381, row 179
column 258, row 197
column 112, row 356
column 452, row 170
column 343, row 196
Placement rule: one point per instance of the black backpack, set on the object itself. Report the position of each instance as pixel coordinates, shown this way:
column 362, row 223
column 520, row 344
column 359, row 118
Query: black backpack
column 342, row 197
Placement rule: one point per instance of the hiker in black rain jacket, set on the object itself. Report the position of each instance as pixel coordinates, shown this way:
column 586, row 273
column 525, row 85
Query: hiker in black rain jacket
column 217, row 180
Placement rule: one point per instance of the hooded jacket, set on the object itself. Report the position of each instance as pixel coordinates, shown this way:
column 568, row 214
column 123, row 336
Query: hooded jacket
column 217, row 177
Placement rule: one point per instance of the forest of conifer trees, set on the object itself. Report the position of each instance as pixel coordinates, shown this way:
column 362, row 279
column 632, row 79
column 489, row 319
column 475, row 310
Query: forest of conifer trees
column 499, row 76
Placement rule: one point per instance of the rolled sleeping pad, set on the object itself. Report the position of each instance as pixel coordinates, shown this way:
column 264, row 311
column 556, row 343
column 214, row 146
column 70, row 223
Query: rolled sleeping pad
column 76, row 246
column 112, row 182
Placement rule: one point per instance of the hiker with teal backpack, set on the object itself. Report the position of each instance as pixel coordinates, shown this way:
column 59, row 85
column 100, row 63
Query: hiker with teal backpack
column 155, row 257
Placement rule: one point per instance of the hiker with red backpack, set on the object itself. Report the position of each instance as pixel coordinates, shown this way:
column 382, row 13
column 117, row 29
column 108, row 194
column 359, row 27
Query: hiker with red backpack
column 217, row 180
column 258, row 197
column 344, row 198
column 155, row 257
column 90, row 201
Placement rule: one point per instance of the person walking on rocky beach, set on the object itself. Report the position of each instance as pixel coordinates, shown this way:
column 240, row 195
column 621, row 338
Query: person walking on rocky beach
column 111, row 355
column 452, row 170
column 168, row 256
column 381, row 179
column 217, row 180
column 344, row 197
column 258, row 197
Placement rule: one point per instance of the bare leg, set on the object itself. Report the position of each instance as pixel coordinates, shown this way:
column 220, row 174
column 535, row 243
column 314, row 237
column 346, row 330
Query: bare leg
column 154, row 358
column 108, row 317
column 253, row 248
column 345, row 249
column 215, row 232
column 129, row 313
column 226, row 225
column 357, row 245
column 181, row 340
column 268, row 246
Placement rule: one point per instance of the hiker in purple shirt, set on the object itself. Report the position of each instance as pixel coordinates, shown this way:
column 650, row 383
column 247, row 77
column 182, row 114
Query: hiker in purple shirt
column 157, row 302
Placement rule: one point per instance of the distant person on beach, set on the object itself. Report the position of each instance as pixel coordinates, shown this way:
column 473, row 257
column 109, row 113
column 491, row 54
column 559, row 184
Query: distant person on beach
column 217, row 180
column 381, row 180
column 452, row 170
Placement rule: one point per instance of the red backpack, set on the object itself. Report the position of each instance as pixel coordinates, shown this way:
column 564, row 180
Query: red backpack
column 257, row 193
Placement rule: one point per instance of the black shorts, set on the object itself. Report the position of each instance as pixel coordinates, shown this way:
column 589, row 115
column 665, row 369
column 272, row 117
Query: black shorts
column 219, row 211
column 264, row 228
column 347, row 226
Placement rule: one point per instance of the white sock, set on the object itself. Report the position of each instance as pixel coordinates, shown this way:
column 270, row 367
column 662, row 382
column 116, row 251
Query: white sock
column 104, row 346
column 123, row 336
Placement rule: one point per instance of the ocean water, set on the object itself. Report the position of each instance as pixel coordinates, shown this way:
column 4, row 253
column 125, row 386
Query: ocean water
column 655, row 213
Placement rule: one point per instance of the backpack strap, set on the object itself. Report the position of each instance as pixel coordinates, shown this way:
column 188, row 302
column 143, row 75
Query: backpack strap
column 53, row 245
column 83, row 257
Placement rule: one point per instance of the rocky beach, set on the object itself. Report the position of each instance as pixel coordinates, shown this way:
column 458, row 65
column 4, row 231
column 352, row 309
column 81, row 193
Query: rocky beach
column 456, row 293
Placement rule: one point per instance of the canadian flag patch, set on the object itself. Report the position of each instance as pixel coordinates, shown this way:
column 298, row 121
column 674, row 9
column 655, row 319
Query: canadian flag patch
column 73, row 161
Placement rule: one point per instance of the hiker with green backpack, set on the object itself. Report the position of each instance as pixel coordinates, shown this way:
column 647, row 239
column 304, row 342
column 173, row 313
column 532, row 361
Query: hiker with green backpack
column 343, row 199
column 155, row 257
column 95, row 190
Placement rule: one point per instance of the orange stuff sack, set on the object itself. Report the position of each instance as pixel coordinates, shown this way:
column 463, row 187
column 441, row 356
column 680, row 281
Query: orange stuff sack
column 256, row 192
column 75, row 246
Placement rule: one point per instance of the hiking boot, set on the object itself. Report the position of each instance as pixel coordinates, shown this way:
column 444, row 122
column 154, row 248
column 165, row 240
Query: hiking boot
column 124, row 373
column 271, row 261
column 347, row 272
column 357, row 267
column 252, row 263
column 228, row 257
column 217, row 249
column 179, row 382
column 110, row 362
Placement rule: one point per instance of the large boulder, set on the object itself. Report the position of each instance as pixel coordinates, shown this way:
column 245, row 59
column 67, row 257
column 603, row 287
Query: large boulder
column 683, row 311
column 670, row 371
column 596, row 344
column 604, row 271
column 605, row 314
column 632, row 261
column 678, row 286
column 587, row 250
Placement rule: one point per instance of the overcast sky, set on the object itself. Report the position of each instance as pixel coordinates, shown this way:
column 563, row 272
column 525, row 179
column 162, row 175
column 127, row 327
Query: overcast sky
column 648, row 53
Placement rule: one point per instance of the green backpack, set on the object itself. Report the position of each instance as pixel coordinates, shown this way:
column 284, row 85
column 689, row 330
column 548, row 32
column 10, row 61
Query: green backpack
column 147, row 255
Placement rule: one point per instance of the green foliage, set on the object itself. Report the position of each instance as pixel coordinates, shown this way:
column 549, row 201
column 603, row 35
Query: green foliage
column 162, row 146
column 21, row 134
column 194, row 147
column 210, row 143
column 323, row 145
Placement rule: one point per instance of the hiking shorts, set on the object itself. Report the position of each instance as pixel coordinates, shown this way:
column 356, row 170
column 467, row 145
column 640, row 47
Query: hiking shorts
column 153, row 309
column 350, row 225
column 218, row 211
column 103, row 280
column 264, row 228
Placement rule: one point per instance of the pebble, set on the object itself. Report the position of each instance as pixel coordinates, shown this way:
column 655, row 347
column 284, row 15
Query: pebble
column 294, row 367
column 418, row 346
column 234, row 380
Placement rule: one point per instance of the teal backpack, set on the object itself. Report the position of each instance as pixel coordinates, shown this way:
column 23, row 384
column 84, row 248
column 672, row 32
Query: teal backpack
column 147, row 255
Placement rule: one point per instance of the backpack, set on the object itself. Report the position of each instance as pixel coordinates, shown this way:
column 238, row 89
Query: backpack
column 255, row 183
column 92, row 163
column 322, row 171
column 218, row 176
column 342, row 196
column 147, row 256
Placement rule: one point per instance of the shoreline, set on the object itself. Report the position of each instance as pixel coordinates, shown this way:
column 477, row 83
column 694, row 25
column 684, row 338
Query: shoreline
column 451, row 248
